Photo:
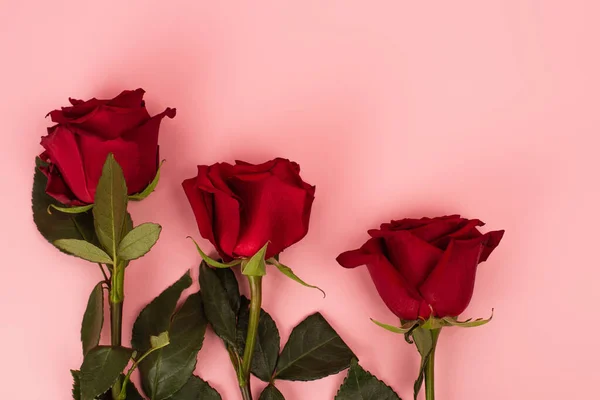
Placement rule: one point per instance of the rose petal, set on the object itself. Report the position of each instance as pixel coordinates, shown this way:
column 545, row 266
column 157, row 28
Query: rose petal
column 226, row 219
column 57, row 188
column 273, row 210
column 63, row 151
column 438, row 228
column 390, row 284
column 489, row 245
column 449, row 288
column 410, row 255
column 128, row 99
column 467, row 229
column 202, row 206
column 108, row 119
column 145, row 137
column 412, row 223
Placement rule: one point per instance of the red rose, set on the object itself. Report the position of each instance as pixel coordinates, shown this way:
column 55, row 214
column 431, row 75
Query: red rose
column 240, row 207
column 86, row 132
column 420, row 265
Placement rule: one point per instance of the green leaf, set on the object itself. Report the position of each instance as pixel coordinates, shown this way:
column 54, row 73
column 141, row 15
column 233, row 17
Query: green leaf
column 217, row 304
column 255, row 266
column 83, row 249
column 267, row 345
column 150, row 188
column 313, row 351
column 287, row 271
column 196, row 389
column 139, row 241
column 155, row 318
column 453, row 321
column 70, row 210
column 100, row 369
column 131, row 391
column 423, row 339
column 271, row 393
column 405, row 328
column 93, row 318
column 76, row 385
column 110, row 205
column 57, row 225
column 166, row 371
column 362, row 385
column 212, row 262
column 230, row 284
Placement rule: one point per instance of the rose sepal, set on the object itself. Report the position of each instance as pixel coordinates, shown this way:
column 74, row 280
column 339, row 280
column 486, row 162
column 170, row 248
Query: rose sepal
column 70, row 210
column 150, row 188
column 287, row 271
column 405, row 328
column 470, row 323
column 212, row 262
column 433, row 323
column 256, row 265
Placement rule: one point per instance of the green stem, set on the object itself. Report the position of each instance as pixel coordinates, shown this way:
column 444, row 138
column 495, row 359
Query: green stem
column 246, row 394
column 255, row 304
column 122, row 395
column 116, row 317
column 430, row 367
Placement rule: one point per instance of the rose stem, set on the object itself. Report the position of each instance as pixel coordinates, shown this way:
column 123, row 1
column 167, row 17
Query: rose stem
column 116, row 315
column 430, row 367
column 255, row 304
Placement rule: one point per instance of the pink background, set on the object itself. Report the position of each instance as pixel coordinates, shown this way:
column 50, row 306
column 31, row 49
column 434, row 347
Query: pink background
column 392, row 108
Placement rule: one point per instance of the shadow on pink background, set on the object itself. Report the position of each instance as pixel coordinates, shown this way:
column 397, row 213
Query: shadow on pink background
column 393, row 109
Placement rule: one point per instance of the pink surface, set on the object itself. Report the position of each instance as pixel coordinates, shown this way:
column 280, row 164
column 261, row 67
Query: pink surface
column 488, row 109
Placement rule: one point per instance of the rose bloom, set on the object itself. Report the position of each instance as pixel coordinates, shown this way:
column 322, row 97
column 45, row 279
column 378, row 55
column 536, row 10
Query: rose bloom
column 87, row 131
column 241, row 207
column 426, row 265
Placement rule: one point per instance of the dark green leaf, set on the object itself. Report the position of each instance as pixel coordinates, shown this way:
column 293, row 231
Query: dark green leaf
column 167, row 370
column 230, row 284
column 362, row 385
column 93, row 318
column 110, row 205
column 132, row 392
column 423, row 339
column 57, row 225
column 100, row 369
column 155, row 318
column 271, row 393
column 313, row 351
column 76, row 386
column 83, row 249
column 217, row 304
column 196, row 389
column 150, row 188
column 139, row 241
column 267, row 345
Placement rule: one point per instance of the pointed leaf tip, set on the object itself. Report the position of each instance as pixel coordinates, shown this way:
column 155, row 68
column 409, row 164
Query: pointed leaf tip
column 287, row 271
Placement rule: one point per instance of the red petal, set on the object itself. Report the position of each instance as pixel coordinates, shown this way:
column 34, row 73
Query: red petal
column 390, row 284
column 413, row 257
column 274, row 210
column 63, row 151
column 449, row 288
